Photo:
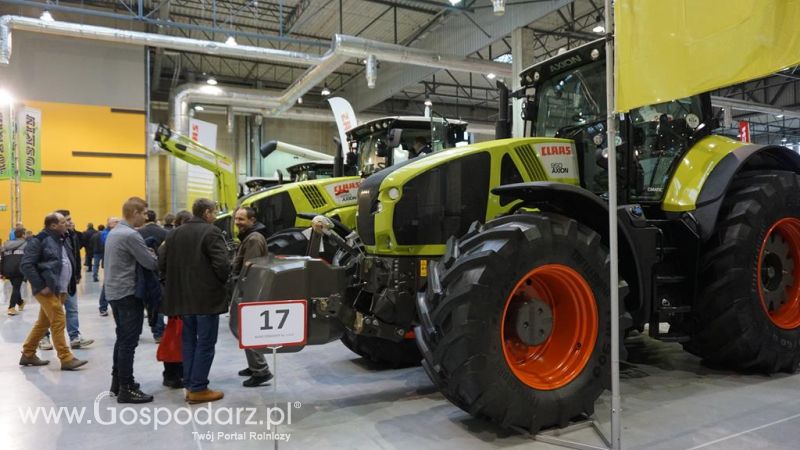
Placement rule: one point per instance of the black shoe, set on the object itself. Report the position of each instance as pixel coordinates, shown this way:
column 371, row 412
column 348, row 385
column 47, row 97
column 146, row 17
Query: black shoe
column 246, row 372
column 114, row 389
column 173, row 383
column 131, row 394
column 256, row 381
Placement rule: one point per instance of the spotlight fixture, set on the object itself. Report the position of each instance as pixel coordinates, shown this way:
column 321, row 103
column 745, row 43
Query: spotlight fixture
column 6, row 98
column 600, row 27
column 231, row 41
column 455, row 2
column 499, row 7
column 491, row 75
column 46, row 16
column 212, row 81
column 428, row 101
column 325, row 91
column 779, row 116
column 300, row 100
column 198, row 108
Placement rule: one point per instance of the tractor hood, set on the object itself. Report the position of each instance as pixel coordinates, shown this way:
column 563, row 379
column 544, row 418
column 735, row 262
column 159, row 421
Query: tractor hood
column 414, row 207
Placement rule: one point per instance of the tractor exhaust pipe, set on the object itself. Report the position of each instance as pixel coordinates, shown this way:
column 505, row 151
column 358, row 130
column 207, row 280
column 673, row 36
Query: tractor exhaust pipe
column 503, row 126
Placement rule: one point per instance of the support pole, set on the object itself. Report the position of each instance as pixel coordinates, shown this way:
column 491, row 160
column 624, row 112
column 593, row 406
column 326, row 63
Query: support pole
column 616, row 407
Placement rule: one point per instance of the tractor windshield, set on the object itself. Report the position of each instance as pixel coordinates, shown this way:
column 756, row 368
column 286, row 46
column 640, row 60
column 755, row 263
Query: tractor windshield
column 373, row 152
column 572, row 105
column 573, row 98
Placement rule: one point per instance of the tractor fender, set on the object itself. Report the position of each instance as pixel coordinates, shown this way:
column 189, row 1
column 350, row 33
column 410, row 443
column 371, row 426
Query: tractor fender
column 590, row 210
column 746, row 157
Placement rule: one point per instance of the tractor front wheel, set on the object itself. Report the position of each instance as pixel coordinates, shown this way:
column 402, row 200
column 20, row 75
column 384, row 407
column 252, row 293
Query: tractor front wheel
column 515, row 322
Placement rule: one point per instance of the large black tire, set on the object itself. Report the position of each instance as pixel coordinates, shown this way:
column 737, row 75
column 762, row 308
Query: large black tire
column 463, row 312
column 383, row 352
column 731, row 327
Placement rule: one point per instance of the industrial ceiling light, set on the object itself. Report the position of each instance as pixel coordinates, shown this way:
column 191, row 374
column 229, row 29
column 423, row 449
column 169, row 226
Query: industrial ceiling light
column 325, row 91
column 212, row 81
column 300, row 100
column 599, row 28
column 779, row 116
column 198, row 108
column 491, row 75
column 499, row 7
column 231, row 41
column 455, row 2
column 46, row 16
column 428, row 101
column 6, row 98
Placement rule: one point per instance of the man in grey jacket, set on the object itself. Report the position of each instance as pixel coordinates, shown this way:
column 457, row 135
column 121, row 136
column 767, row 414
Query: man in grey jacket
column 125, row 248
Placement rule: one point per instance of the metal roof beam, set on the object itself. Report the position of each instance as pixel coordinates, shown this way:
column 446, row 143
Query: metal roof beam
column 457, row 36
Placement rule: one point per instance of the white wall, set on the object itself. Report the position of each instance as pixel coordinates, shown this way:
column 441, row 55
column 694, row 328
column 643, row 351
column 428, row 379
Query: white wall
column 66, row 70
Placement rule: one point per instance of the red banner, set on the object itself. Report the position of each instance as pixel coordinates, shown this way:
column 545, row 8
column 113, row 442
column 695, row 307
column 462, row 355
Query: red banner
column 744, row 131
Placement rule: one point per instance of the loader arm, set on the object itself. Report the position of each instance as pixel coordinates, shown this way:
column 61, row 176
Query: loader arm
column 194, row 153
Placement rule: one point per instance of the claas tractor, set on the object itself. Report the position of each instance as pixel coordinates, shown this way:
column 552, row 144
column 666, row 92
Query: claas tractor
column 286, row 209
column 494, row 258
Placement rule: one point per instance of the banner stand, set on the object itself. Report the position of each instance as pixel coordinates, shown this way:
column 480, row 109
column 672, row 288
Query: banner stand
column 274, row 388
column 615, row 443
column 558, row 436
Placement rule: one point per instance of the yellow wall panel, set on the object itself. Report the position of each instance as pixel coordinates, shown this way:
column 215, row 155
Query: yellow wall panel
column 67, row 128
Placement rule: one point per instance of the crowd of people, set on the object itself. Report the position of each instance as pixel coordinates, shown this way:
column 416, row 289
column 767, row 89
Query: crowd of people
column 179, row 272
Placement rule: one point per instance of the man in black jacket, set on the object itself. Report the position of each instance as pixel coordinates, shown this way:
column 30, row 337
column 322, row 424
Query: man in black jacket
column 153, row 236
column 86, row 243
column 71, row 305
column 194, row 263
column 151, row 229
column 48, row 264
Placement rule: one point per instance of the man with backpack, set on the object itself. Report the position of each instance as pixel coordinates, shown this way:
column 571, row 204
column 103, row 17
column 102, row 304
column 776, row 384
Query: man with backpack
column 10, row 269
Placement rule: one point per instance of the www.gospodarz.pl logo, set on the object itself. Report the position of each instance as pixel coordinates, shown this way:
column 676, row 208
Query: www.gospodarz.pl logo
column 159, row 416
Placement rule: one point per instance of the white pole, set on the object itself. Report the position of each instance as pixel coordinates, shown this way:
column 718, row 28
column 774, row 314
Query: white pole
column 616, row 408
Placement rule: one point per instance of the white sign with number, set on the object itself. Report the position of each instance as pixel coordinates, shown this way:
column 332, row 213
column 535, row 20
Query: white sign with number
column 272, row 324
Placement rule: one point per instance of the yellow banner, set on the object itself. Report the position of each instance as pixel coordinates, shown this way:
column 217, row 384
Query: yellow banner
column 668, row 49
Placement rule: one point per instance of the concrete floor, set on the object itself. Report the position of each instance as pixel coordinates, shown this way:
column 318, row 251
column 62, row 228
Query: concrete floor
column 338, row 401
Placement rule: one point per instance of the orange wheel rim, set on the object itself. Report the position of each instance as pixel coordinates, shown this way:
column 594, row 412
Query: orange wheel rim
column 567, row 349
column 779, row 273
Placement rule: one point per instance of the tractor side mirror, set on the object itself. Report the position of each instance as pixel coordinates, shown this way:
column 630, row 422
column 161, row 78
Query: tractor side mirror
column 383, row 149
column 351, row 159
column 393, row 137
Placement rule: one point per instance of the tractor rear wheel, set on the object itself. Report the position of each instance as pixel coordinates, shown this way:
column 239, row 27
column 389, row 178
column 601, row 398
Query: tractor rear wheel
column 748, row 315
column 382, row 351
column 514, row 326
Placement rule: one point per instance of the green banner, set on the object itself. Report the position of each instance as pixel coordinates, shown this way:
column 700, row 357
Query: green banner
column 29, row 124
column 6, row 130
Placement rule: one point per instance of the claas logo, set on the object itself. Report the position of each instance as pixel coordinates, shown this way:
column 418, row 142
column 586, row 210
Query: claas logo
column 549, row 150
column 345, row 188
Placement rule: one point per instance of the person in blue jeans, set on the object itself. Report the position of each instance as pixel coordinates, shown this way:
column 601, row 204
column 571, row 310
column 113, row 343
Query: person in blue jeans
column 194, row 264
column 125, row 251
column 76, row 340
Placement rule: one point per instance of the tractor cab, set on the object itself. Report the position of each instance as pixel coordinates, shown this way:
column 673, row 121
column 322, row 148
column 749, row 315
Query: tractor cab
column 566, row 97
column 384, row 142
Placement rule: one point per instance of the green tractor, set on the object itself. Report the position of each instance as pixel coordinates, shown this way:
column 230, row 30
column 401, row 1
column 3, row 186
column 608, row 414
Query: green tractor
column 286, row 209
column 494, row 258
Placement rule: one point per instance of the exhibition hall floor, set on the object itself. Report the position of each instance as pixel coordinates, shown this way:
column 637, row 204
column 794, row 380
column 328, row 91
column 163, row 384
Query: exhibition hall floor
column 337, row 400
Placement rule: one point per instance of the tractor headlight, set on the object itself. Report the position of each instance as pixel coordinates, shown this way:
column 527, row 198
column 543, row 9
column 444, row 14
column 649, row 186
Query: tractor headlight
column 394, row 193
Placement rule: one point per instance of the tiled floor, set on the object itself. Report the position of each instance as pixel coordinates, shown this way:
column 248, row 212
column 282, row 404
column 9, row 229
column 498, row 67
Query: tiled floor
column 338, row 401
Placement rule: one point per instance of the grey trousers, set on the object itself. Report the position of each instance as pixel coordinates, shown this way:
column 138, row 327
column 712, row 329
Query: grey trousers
column 256, row 362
